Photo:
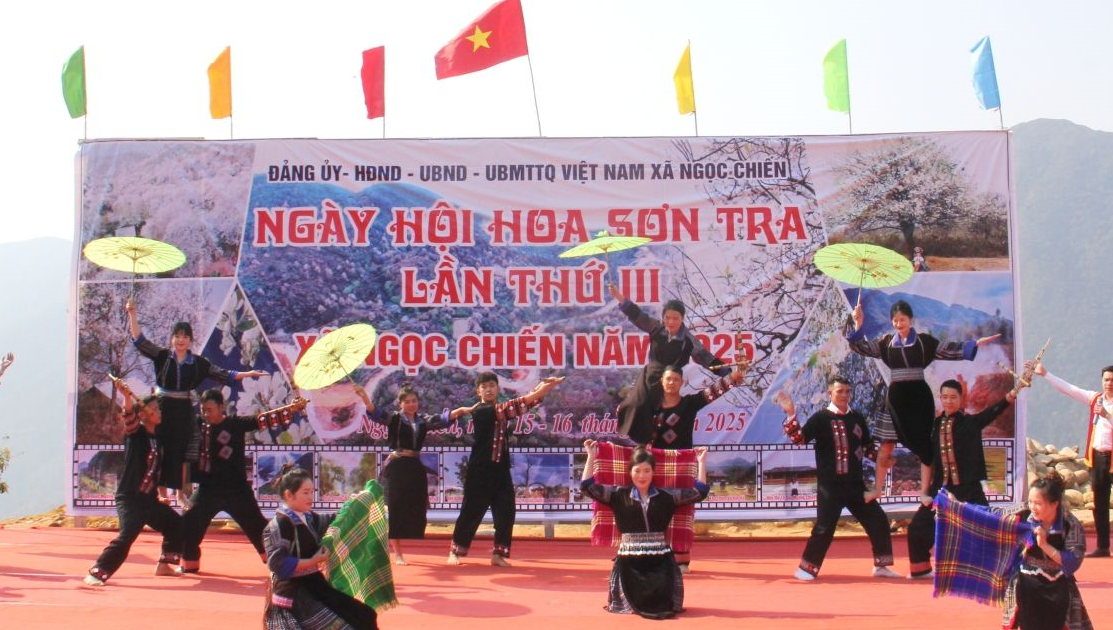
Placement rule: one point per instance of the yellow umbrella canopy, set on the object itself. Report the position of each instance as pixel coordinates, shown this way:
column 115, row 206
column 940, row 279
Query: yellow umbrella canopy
column 864, row 265
column 335, row 356
column 134, row 254
column 604, row 243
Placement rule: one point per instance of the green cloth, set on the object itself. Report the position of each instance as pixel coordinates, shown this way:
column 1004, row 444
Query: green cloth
column 359, row 561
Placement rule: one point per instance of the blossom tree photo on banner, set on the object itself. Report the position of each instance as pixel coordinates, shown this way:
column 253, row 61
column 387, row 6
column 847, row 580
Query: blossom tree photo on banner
column 451, row 249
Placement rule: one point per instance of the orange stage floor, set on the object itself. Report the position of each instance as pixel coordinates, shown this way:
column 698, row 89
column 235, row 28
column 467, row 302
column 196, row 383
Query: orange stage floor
column 555, row 585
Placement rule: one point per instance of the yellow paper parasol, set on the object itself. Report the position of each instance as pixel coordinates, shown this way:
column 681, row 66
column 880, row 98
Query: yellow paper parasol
column 335, row 356
column 134, row 254
column 604, row 243
column 863, row 264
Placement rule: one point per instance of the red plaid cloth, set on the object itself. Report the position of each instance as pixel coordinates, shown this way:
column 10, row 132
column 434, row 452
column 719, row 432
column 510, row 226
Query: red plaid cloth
column 674, row 469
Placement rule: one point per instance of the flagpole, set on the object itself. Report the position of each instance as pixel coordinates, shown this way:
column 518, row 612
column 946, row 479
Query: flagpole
column 231, row 132
column 849, row 116
column 533, row 84
column 1000, row 117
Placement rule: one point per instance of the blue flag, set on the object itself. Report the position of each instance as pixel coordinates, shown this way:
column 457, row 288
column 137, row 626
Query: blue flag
column 985, row 76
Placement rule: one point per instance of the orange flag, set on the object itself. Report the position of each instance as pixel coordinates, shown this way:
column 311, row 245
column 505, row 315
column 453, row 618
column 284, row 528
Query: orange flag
column 220, row 85
column 496, row 36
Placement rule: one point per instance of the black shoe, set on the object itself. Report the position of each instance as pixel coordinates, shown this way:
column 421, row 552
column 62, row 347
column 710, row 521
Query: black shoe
column 1098, row 553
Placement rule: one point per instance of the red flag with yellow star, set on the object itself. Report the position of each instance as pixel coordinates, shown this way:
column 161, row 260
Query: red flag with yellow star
column 496, row 36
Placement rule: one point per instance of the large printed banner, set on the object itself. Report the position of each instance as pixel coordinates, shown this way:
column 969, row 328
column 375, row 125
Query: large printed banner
column 450, row 248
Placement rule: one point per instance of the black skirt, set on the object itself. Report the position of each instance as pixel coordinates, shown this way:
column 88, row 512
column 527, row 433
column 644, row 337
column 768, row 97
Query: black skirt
column 407, row 497
column 180, row 437
column 913, row 408
column 645, row 578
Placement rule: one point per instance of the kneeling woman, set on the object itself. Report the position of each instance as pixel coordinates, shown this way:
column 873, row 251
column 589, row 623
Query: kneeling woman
column 300, row 596
column 645, row 578
column 1043, row 594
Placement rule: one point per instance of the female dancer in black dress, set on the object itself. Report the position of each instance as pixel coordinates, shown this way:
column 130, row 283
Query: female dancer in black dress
column 1043, row 594
column 299, row 596
column 404, row 479
column 907, row 353
column 645, row 578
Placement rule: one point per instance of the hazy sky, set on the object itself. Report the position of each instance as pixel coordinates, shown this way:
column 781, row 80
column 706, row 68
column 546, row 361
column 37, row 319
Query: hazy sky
column 601, row 67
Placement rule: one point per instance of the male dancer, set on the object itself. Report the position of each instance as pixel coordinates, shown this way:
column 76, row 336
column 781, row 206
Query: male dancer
column 137, row 501
column 223, row 486
column 488, row 483
column 1099, row 443
column 841, row 440
column 674, row 419
column 958, row 465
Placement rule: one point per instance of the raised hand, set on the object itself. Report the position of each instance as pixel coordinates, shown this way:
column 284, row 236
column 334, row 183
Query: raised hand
column 362, row 395
column 591, row 447
column 1036, row 366
column 859, row 317
column 701, row 454
column 616, row 293
column 785, row 401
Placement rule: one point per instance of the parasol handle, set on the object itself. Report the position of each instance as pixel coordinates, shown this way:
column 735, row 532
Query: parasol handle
column 861, row 282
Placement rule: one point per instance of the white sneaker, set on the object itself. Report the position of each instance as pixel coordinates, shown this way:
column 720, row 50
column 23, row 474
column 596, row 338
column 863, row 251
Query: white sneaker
column 684, row 568
column 803, row 575
column 498, row 561
column 92, row 580
column 453, row 559
column 885, row 572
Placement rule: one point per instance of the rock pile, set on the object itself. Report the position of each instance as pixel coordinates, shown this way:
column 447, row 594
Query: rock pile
column 1071, row 466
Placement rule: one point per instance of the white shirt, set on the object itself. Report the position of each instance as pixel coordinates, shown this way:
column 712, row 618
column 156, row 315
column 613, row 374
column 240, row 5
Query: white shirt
column 1103, row 428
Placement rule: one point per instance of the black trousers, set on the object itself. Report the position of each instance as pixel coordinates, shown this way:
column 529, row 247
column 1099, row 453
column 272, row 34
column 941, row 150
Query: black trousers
column 921, row 531
column 831, row 501
column 135, row 511
column 1100, row 482
column 487, row 486
column 210, row 500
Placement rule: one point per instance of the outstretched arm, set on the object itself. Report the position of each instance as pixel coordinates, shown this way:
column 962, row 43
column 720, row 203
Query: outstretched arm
column 990, row 339
column 542, row 388
column 1063, row 387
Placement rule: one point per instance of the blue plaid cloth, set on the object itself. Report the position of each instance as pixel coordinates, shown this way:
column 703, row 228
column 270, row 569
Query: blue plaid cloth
column 977, row 550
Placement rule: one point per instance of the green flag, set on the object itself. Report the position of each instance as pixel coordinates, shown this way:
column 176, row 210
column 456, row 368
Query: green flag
column 73, row 83
column 836, row 78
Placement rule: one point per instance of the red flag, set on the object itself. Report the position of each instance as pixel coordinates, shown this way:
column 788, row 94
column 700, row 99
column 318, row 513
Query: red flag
column 372, row 75
column 497, row 36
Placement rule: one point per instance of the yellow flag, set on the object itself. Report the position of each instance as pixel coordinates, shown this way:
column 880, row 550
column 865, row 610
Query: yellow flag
column 685, row 90
column 220, row 85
